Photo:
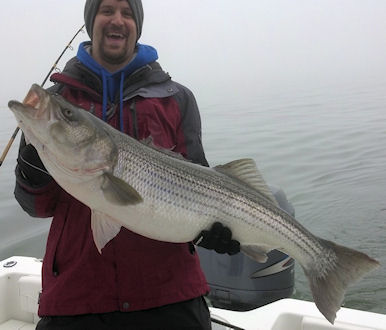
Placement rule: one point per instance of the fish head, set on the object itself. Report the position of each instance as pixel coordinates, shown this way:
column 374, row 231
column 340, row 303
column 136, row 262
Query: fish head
column 66, row 137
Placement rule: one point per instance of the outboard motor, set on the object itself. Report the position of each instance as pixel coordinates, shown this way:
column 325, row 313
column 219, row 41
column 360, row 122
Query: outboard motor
column 239, row 283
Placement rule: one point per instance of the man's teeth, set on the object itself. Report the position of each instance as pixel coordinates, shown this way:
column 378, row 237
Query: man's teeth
column 115, row 35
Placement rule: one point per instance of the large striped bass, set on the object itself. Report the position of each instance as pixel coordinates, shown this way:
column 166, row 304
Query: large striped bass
column 163, row 197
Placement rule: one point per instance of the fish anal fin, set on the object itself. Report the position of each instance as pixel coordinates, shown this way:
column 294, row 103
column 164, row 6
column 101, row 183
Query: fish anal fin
column 118, row 192
column 104, row 229
column 246, row 171
column 256, row 252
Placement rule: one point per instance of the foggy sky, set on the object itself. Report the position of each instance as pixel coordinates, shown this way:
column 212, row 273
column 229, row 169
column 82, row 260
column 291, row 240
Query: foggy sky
column 215, row 47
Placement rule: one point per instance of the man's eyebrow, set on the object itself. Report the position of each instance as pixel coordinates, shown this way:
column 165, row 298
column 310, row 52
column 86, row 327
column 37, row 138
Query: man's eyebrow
column 105, row 7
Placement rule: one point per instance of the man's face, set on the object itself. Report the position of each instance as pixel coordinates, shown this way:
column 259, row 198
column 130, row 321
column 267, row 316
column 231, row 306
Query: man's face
column 114, row 34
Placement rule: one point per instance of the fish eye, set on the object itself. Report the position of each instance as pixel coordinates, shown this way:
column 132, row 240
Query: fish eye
column 68, row 113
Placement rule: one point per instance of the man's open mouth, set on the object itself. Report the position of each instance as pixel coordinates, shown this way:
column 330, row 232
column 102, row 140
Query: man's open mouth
column 116, row 36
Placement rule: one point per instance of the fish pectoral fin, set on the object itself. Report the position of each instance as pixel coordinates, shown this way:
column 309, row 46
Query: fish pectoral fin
column 104, row 229
column 118, row 192
column 256, row 252
column 246, row 171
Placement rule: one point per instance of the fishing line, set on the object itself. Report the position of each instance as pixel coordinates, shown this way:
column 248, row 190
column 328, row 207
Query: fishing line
column 54, row 66
column 34, row 166
column 225, row 324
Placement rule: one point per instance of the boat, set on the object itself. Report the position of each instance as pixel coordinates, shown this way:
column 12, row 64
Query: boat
column 20, row 285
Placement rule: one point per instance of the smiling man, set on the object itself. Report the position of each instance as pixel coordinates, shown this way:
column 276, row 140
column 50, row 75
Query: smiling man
column 136, row 282
column 114, row 34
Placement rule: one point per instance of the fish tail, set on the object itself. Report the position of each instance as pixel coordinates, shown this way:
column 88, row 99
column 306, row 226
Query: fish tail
column 342, row 267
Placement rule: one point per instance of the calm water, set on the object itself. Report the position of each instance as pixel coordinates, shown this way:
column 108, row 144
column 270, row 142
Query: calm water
column 325, row 146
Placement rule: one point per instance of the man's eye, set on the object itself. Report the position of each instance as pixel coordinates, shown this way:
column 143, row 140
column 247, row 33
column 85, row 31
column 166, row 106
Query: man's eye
column 106, row 11
column 127, row 14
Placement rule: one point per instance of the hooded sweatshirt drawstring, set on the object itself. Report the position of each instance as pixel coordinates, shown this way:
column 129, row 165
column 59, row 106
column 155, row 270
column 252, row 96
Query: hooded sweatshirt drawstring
column 121, row 101
column 113, row 83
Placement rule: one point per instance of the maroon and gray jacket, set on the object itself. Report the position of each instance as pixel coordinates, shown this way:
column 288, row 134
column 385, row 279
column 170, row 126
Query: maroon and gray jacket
column 133, row 272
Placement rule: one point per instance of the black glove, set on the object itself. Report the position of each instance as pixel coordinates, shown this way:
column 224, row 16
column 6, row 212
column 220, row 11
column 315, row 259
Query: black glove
column 31, row 166
column 218, row 238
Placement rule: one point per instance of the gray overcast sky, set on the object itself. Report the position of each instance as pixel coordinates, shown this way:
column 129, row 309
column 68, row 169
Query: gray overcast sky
column 211, row 44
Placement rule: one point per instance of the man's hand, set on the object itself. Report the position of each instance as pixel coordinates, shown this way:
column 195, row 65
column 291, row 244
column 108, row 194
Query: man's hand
column 218, row 238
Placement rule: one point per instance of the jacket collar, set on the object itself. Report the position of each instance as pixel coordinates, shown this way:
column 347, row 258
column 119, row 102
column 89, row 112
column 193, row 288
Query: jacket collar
column 78, row 76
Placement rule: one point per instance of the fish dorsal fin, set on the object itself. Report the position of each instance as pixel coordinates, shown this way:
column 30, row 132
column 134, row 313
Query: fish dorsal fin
column 149, row 142
column 246, row 171
column 104, row 229
column 119, row 192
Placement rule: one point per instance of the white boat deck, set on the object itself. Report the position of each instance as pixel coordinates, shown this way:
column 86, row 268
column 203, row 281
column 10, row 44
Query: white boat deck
column 292, row 314
column 20, row 285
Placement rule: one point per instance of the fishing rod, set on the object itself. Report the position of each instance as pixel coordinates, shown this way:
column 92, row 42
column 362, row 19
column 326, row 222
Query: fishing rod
column 13, row 137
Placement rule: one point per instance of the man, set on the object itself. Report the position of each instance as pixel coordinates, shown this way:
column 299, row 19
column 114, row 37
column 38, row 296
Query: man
column 136, row 283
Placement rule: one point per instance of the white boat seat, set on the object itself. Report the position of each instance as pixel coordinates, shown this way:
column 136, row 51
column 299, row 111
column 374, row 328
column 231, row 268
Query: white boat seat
column 17, row 325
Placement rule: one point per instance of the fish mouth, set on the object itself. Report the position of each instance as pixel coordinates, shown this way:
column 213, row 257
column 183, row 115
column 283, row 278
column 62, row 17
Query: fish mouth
column 35, row 100
column 34, row 105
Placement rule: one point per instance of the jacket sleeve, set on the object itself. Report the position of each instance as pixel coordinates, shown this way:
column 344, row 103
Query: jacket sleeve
column 191, row 125
column 38, row 200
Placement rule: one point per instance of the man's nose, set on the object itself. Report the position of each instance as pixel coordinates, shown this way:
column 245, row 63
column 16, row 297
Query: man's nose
column 117, row 19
